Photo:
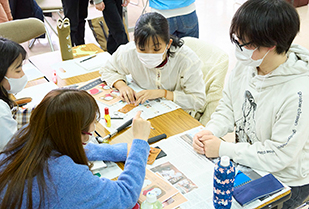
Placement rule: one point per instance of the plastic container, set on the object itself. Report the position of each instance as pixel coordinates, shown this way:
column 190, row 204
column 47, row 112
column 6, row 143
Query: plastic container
column 224, row 175
column 151, row 201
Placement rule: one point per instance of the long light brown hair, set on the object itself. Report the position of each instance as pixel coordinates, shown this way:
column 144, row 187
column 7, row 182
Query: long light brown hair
column 55, row 129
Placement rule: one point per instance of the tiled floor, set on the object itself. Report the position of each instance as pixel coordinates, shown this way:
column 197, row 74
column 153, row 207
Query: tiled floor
column 214, row 20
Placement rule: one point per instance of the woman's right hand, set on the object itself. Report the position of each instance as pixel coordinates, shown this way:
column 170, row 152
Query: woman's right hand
column 141, row 127
column 126, row 93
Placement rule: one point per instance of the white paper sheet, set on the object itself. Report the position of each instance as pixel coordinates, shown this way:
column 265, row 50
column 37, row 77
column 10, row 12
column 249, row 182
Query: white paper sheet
column 32, row 72
column 111, row 170
column 36, row 92
column 72, row 69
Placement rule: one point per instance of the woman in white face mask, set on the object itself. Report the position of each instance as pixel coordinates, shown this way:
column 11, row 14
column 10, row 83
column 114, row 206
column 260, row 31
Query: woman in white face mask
column 159, row 63
column 12, row 80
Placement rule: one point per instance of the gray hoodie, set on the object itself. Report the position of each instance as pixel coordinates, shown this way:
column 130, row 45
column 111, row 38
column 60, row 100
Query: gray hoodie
column 270, row 116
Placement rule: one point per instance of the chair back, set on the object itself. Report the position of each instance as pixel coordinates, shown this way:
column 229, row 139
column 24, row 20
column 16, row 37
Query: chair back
column 22, row 30
column 50, row 5
column 215, row 65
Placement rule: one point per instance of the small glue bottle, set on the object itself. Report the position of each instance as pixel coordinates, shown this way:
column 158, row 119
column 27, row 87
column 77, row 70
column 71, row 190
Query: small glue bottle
column 224, row 175
column 151, row 201
column 54, row 77
column 107, row 117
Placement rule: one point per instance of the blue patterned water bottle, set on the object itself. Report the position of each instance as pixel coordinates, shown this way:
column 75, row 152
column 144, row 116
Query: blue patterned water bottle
column 224, row 176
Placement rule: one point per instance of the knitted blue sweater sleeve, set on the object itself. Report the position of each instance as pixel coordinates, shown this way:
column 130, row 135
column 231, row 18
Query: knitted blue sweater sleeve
column 90, row 191
column 115, row 153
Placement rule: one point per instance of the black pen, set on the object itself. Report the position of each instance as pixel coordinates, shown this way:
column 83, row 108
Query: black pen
column 156, row 138
column 46, row 78
column 98, row 137
column 88, row 58
column 126, row 124
column 97, row 133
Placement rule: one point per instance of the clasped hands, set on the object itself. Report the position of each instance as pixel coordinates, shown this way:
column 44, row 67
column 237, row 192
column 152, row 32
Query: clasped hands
column 204, row 142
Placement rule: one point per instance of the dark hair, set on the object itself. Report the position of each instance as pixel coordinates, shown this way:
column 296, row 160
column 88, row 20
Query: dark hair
column 55, row 129
column 266, row 23
column 154, row 25
column 9, row 51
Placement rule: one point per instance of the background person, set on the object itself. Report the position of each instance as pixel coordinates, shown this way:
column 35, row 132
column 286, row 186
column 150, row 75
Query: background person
column 180, row 14
column 112, row 13
column 77, row 12
column 5, row 11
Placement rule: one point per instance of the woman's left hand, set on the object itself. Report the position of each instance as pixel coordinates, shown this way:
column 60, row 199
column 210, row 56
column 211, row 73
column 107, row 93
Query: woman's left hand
column 144, row 95
column 125, row 3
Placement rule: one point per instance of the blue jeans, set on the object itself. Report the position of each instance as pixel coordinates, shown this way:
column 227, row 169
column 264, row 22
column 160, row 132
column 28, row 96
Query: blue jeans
column 299, row 194
column 185, row 25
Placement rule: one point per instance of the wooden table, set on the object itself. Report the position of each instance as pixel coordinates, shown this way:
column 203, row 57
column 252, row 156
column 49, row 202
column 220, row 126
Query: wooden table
column 171, row 123
column 44, row 62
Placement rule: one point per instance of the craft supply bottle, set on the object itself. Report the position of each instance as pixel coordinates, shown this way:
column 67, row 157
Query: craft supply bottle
column 54, row 76
column 107, row 117
column 224, row 175
column 151, row 201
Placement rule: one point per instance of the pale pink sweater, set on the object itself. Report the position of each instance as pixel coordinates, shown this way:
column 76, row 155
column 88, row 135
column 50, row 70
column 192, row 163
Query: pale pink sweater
column 5, row 11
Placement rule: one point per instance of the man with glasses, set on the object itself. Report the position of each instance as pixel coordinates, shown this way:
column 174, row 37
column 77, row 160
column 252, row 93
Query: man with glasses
column 266, row 100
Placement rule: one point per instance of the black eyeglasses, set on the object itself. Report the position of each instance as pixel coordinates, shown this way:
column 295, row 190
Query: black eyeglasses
column 238, row 44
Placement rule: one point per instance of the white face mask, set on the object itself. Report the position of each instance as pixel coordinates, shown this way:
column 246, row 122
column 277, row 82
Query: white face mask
column 16, row 84
column 151, row 60
column 245, row 57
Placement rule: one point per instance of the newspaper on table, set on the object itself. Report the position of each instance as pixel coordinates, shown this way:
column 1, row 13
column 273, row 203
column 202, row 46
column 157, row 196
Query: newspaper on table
column 150, row 109
column 162, row 188
column 192, row 173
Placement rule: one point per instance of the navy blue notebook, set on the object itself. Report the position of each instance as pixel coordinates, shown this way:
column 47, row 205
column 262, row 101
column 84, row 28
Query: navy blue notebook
column 241, row 179
column 256, row 189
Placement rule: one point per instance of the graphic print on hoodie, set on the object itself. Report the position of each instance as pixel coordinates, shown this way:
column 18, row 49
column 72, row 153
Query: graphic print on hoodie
column 245, row 125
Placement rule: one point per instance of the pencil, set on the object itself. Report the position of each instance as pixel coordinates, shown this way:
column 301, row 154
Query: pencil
column 88, row 58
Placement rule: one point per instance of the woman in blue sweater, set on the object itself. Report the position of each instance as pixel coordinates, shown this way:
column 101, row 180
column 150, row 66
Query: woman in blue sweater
column 48, row 159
